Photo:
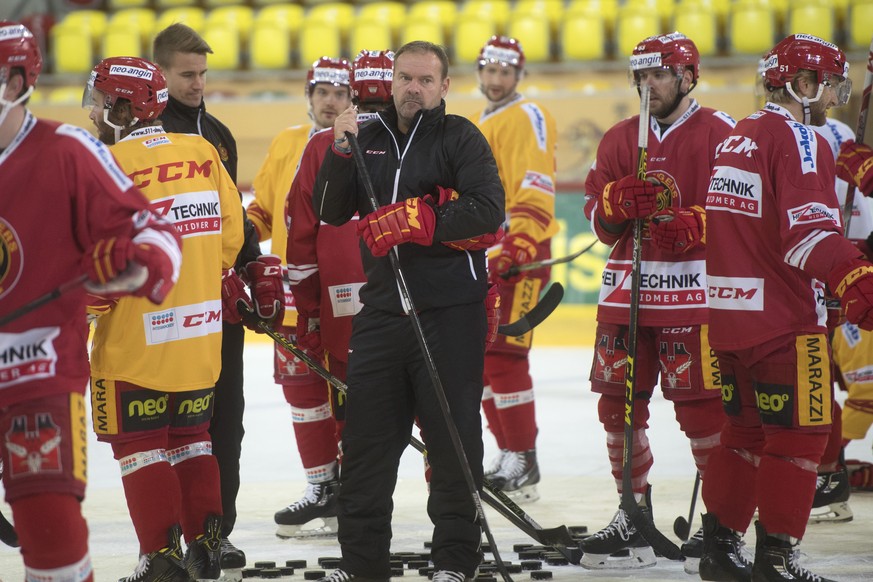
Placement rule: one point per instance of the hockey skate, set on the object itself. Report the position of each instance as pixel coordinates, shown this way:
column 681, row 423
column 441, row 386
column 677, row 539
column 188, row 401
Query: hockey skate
column 203, row 557
column 692, row 550
column 619, row 546
column 313, row 516
column 831, row 501
column 339, row 575
column 232, row 560
column 450, row 576
column 723, row 558
column 778, row 560
column 518, row 476
column 496, row 463
column 164, row 565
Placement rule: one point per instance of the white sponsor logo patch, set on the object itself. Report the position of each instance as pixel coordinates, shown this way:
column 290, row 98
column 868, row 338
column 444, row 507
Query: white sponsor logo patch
column 127, row 71
column 737, row 144
column 156, row 141
column 192, row 213
column 374, row 75
column 496, row 54
column 813, row 212
column 29, row 355
column 645, row 61
column 662, row 285
column 807, row 146
column 538, row 124
column 10, row 32
column 345, row 299
column 537, row 181
column 334, row 76
column 735, row 191
column 183, row 322
column 736, row 293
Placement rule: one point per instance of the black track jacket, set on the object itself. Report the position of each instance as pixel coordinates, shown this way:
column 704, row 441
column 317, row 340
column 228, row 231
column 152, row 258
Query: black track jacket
column 440, row 149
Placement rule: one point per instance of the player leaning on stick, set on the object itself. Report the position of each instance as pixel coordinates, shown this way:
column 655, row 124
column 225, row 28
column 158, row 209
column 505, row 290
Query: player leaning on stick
column 672, row 337
column 67, row 209
column 153, row 369
column 775, row 243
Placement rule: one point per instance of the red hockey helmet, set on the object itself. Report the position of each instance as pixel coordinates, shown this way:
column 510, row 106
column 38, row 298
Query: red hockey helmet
column 674, row 50
column 19, row 49
column 373, row 76
column 131, row 78
column 327, row 70
column 804, row 51
column 503, row 50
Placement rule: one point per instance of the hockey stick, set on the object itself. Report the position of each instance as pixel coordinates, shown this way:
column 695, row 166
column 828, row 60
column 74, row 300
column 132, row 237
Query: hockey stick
column 682, row 528
column 516, row 269
column 859, row 135
column 8, row 535
column 538, row 313
column 557, row 537
column 43, row 299
column 644, row 524
column 409, row 308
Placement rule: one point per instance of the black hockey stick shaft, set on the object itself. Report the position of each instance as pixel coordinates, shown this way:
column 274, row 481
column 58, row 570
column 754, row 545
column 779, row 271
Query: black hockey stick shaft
column 644, row 525
column 439, row 392
column 860, row 129
column 681, row 527
column 516, row 269
column 43, row 299
column 8, row 535
column 538, row 313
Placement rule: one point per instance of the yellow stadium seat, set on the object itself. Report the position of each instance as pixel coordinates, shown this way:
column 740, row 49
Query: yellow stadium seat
column 752, row 28
column 369, row 35
column 238, row 17
column 443, row 11
column 497, row 10
column 220, row 3
column 470, row 37
column 422, row 30
column 633, row 26
column 225, row 43
column 318, row 39
column 339, row 13
column 125, row 4
column 815, row 20
column 270, row 46
column 583, row 37
column 118, row 42
column 192, row 16
column 72, row 49
column 606, row 9
column 391, row 13
column 93, row 22
column 135, row 20
column 166, row 4
column 702, row 26
column 860, row 17
column 532, row 31
column 288, row 16
column 552, row 9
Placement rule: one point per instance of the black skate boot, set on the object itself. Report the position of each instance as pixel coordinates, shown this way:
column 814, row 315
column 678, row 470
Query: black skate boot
column 164, row 565
column 518, row 476
column 319, row 506
column 777, row 560
column 232, row 560
column 203, row 558
column 450, row 576
column 619, row 545
column 831, row 501
column 692, row 550
column 722, row 559
column 340, row 575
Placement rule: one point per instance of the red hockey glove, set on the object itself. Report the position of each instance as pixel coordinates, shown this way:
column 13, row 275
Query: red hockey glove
column 852, row 282
column 492, row 312
column 268, row 293
column 445, row 195
column 308, row 331
column 476, row 243
column 412, row 220
column 678, row 230
column 233, row 291
column 117, row 267
column 628, row 198
column 855, row 166
column 518, row 249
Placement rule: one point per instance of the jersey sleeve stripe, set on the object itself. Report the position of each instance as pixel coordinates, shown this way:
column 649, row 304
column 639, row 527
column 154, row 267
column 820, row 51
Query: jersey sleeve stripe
column 99, row 151
column 799, row 253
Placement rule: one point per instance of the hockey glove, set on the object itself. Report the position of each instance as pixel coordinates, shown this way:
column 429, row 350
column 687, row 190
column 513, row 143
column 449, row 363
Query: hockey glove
column 492, row 312
column 628, row 198
column 476, row 243
column 518, row 249
column 678, row 230
column 852, row 283
column 855, row 166
column 234, row 297
column 308, row 331
column 268, row 292
column 117, row 267
column 412, row 220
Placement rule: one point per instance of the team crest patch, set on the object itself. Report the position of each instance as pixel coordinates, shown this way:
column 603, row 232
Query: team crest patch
column 611, row 364
column 10, row 257
column 222, row 153
column 675, row 365
column 33, row 444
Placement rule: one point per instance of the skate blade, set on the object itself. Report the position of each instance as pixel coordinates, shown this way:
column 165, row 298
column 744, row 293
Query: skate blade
column 627, row 559
column 525, row 494
column 231, row 575
column 833, row 513
column 321, row 527
column 691, row 565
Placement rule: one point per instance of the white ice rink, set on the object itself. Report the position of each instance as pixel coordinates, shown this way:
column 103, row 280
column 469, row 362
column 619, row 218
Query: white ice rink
column 576, row 489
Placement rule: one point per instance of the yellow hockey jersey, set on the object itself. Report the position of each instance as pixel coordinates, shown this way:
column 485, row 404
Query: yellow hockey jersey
column 175, row 346
column 271, row 186
column 524, row 138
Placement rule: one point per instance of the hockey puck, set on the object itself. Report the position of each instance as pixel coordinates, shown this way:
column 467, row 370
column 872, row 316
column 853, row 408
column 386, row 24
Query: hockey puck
column 541, row 575
column 557, row 560
column 512, row 568
column 263, row 565
column 395, row 572
column 531, row 565
column 428, row 545
column 529, row 554
column 251, row 572
column 329, row 563
column 426, row 571
column 313, row 574
column 286, row 570
column 416, row 564
column 521, row 547
column 271, row 573
column 576, row 530
column 295, row 563
column 486, row 578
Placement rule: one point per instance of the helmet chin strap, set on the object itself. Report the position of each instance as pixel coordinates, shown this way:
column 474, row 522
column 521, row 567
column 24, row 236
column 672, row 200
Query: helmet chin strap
column 6, row 106
column 805, row 101
column 117, row 128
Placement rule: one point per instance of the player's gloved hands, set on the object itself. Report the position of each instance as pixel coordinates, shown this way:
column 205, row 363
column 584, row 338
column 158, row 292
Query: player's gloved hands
column 852, row 283
column 268, row 292
column 678, row 230
column 492, row 312
column 118, row 266
column 518, row 249
column 855, row 166
column 308, row 331
column 411, row 220
column 234, row 299
column 628, row 198
column 475, row 243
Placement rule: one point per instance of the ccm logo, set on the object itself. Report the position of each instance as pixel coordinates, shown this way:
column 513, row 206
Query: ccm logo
column 731, row 293
column 196, row 319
